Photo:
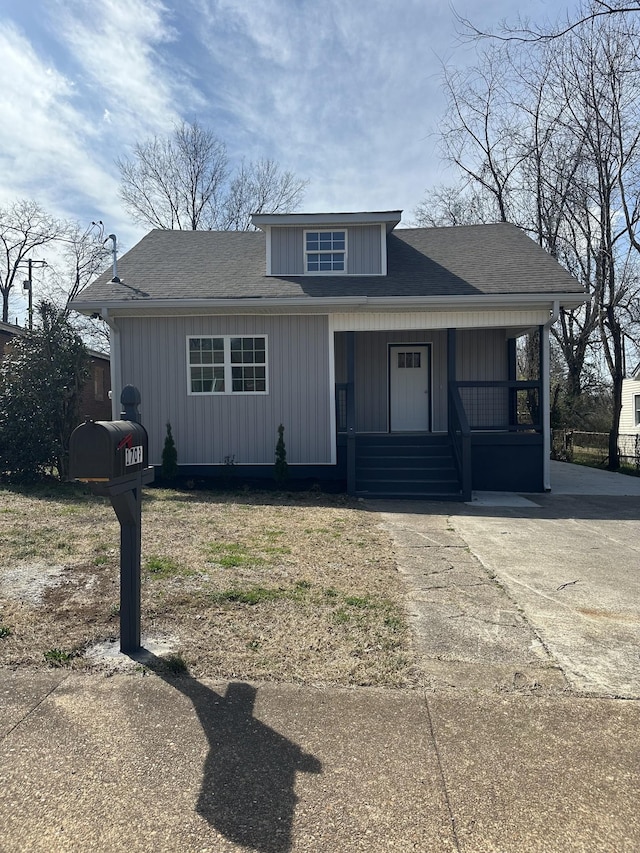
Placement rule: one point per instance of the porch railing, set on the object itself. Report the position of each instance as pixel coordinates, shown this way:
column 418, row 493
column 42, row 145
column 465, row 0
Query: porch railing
column 460, row 434
column 512, row 405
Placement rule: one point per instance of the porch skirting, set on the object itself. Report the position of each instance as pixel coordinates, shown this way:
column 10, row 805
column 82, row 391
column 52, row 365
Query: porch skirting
column 500, row 462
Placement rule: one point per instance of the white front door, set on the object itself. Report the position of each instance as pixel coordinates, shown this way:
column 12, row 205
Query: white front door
column 409, row 397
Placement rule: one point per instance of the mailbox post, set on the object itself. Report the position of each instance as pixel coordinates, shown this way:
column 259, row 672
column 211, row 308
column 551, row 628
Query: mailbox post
column 111, row 456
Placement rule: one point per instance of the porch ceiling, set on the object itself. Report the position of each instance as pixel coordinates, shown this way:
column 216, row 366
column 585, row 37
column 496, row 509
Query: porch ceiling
column 516, row 322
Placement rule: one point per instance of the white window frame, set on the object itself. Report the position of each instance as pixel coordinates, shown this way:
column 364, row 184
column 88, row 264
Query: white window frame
column 310, row 254
column 636, row 409
column 228, row 366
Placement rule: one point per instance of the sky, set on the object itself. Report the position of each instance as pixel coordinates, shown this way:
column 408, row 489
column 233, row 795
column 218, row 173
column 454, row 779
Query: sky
column 344, row 93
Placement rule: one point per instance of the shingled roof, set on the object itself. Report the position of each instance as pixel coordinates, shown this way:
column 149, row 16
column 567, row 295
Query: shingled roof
column 422, row 262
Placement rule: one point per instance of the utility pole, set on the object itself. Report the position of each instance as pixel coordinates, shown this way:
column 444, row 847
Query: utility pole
column 28, row 285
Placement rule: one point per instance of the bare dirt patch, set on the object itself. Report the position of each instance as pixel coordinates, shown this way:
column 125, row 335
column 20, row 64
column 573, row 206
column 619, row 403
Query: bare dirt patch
column 261, row 586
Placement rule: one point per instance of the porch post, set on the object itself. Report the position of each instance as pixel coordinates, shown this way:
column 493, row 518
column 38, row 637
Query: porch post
column 512, row 376
column 351, row 413
column 451, row 355
column 545, row 405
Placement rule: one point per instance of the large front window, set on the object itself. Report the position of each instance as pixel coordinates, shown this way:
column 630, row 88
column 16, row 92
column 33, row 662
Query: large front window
column 227, row 365
column 325, row 251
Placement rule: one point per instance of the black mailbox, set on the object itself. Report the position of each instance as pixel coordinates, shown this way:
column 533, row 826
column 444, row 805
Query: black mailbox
column 104, row 451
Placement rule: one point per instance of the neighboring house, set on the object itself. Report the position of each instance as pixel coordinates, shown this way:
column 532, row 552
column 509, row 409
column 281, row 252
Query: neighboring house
column 630, row 414
column 7, row 332
column 388, row 355
column 94, row 398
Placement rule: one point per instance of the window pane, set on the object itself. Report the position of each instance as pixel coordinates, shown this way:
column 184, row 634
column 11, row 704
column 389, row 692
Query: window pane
column 401, row 362
column 205, row 380
column 207, row 364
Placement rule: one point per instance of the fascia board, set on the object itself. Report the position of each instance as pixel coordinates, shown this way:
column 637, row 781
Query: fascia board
column 390, row 218
column 327, row 304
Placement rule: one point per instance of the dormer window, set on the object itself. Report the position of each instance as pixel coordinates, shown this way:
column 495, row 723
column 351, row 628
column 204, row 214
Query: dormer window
column 325, row 251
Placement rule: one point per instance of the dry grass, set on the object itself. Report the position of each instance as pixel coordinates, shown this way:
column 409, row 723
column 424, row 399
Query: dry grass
column 259, row 586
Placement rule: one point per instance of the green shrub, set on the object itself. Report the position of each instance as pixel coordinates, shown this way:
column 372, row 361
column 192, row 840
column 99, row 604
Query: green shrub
column 169, row 457
column 281, row 469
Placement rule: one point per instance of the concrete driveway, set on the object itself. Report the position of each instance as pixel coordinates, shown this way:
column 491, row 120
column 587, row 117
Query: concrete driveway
column 523, row 590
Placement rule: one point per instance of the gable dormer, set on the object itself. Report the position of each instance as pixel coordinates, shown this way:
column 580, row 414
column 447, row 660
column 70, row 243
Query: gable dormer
column 321, row 244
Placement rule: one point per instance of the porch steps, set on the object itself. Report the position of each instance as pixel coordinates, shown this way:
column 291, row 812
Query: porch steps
column 406, row 466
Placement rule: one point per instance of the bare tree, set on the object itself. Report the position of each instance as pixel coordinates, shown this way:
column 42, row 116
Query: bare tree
column 551, row 137
column 259, row 187
column 175, row 181
column 522, row 30
column 24, row 227
column 184, row 181
column 455, row 204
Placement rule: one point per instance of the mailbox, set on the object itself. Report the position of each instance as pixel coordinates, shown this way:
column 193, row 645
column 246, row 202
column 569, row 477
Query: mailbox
column 104, row 451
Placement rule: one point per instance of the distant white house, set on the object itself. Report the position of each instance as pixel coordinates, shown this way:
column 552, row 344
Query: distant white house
column 630, row 414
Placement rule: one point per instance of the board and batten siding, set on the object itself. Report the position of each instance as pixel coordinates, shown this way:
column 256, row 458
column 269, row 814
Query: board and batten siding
column 481, row 355
column 372, row 375
column 364, row 249
column 211, row 428
column 287, row 253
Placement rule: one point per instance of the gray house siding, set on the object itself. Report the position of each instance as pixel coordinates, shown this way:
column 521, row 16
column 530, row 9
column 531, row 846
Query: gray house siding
column 372, row 375
column 364, row 250
column 287, row 254
column 209, row 429
column 480, row 355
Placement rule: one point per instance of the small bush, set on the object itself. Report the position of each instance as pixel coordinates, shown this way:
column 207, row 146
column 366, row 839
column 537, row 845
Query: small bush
column 169, row 457
column 281, row 468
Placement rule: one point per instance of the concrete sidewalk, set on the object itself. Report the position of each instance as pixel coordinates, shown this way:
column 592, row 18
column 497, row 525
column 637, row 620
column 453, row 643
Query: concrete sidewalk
column 141, row 763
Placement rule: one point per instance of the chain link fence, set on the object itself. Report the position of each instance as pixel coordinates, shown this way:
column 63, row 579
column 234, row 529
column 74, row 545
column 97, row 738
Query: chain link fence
column 592, row 448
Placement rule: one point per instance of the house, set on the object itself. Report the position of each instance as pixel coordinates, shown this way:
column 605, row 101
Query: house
column 94, row 397
column 630, row 413
column 389, row 355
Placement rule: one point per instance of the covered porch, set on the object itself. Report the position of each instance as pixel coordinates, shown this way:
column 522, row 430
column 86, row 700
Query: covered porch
column 434, row 413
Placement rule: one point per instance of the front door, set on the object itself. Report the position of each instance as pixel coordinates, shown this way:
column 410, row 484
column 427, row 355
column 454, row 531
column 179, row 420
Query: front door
column 409, row 397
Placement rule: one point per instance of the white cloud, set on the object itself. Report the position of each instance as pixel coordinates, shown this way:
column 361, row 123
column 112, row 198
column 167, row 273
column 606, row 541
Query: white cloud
column 119, row 48
column 342, row 93
column 43, row 137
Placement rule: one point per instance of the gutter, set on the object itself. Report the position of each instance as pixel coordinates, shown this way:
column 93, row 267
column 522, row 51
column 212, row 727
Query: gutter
column 546, row 396
column 324, row 304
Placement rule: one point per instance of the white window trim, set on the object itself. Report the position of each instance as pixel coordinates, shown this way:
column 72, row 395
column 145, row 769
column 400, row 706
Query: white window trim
column 325, row 231
column 636, row 409
column 228, row 381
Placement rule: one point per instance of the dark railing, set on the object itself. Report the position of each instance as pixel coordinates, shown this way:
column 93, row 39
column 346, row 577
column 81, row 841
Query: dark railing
column 511, row 405
column 460, row 434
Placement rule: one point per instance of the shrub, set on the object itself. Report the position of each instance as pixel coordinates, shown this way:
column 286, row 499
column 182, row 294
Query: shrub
column 169, row 457
column 281, row 469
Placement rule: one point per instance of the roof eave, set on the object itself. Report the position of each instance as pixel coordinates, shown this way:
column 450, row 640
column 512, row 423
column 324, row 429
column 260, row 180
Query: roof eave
column 389, row 218
column 331, row 304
